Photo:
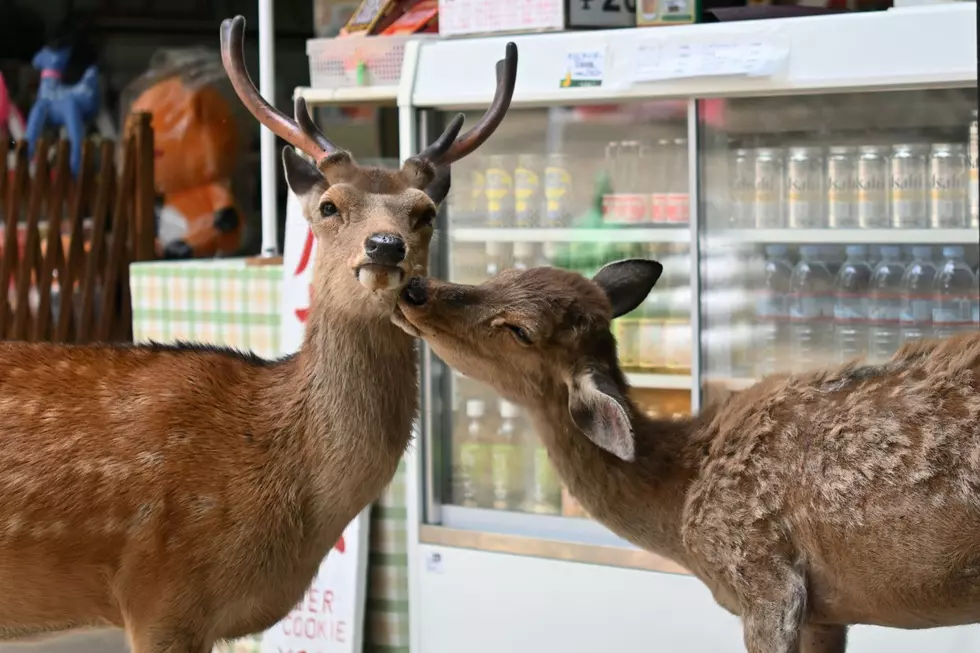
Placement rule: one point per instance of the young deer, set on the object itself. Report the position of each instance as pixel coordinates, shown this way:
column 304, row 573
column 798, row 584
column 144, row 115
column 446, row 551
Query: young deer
column 806, row 503
column 189, row 493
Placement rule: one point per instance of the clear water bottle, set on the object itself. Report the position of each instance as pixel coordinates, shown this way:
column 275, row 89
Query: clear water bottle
column 956, row 288
column 810, row 310
column 851, row 305
column 772, row 311
column 917, row 295
column 885, row 308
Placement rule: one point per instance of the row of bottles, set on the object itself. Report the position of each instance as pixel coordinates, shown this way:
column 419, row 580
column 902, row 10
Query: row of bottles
column 864, row 309
column 500, row 463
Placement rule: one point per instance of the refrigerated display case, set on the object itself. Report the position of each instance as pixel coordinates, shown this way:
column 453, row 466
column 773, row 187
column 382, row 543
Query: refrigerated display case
column 804, row 210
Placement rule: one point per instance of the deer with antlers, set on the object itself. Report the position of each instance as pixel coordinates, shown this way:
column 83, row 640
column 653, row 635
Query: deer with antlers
column 189, row 493
column 806, row 503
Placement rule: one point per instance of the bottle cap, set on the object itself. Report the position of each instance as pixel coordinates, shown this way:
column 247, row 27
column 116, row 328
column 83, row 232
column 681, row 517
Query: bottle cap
column 856, row 250
column 953, row 251
column 509, row 410
column 475, row 408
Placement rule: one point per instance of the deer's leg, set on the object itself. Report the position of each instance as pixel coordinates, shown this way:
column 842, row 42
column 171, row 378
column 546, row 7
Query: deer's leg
column 823, row 639
column 774, row 610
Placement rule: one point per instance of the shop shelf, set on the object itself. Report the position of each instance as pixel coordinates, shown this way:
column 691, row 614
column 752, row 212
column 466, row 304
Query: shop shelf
column 627, row 235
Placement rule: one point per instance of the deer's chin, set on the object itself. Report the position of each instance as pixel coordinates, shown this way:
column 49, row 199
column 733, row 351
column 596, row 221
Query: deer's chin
column 380, row 278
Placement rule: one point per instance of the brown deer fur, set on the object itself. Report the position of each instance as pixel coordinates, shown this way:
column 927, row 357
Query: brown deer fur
column 806, row 503
column 189, row 493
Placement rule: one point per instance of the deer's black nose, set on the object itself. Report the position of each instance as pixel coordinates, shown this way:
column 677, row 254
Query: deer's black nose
column 416, row 292
column 385, row 249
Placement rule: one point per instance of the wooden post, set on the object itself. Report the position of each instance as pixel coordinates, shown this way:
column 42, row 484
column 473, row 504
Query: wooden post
column 144, row 223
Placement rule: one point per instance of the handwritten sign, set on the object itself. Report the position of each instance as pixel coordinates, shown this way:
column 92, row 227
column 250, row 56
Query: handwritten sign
column 330, row 617
column 584, row 68
column 657, row 60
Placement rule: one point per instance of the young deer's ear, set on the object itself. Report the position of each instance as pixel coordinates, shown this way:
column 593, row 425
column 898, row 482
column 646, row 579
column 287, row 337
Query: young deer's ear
column 302, row 176
column 438, row 188
column 627, row 283
column 600, row 412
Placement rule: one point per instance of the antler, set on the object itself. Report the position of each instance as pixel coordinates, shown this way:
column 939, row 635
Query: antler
column 301, row 133
column 447, row 148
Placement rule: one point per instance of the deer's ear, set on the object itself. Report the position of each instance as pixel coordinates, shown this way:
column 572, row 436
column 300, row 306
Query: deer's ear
column 627, row 283
column 302, row 176
column 600, row 412
column 438, row 188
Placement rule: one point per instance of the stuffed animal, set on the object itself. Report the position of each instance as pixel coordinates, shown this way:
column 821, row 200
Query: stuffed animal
column 11, row 121
column 59, row 104
column 195, row 139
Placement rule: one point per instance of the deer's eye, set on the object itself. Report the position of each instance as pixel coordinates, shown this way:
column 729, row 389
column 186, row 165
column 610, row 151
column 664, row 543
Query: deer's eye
column 328, row 209
column 520, row 334
column 426, row 218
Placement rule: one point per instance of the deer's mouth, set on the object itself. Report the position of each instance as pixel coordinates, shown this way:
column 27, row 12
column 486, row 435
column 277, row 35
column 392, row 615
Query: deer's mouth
column 379, row 278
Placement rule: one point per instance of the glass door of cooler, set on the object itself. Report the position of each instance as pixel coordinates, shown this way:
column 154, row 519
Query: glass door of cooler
column 834, row 226
column 573, row 187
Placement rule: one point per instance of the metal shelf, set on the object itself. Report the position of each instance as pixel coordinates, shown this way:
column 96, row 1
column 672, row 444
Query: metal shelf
column 610, row 235
column 845, row 236
column 659, row 381
column 348, row 95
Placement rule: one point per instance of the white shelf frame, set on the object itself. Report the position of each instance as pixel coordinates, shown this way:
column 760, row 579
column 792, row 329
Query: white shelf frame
column 348, row 95
column 605, row 235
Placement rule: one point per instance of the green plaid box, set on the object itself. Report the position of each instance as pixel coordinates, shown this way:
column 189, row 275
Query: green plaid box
column 227, row 302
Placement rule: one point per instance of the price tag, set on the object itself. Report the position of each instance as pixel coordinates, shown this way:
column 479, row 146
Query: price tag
column 658, row 61
column 584, row 69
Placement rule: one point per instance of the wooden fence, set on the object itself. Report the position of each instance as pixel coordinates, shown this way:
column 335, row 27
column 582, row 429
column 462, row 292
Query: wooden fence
column 67, row 242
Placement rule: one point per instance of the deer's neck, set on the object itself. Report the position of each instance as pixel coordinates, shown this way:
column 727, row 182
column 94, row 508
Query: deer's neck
column 642, row 501
column 353, row 393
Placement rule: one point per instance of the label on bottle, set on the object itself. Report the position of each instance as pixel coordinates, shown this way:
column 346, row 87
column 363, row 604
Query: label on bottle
column 499, row 193
column 771, row 306
column 473, row 467
column 806, row 307
column 505, row 473
column 885, row 309
column 557, row 186
column 851, row 308
column 624, row 208
column 678, row 208
column 916, row 310
column 658, row 208
column 953, row 310
column 526, row 187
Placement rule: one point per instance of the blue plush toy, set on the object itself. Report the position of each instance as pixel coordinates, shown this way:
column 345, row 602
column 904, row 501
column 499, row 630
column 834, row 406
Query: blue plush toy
column 59, row 104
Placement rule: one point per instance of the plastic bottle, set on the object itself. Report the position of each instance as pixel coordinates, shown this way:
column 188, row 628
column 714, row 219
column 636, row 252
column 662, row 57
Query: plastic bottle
column 544, row 496
column 772, row 311
column 956, row 288
column 851, row 305
column 917, row 295
column 810, row 310
column 496, row 258
column 885, row 306
column 523, row 256
column 473, row 464
column 506, row 462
